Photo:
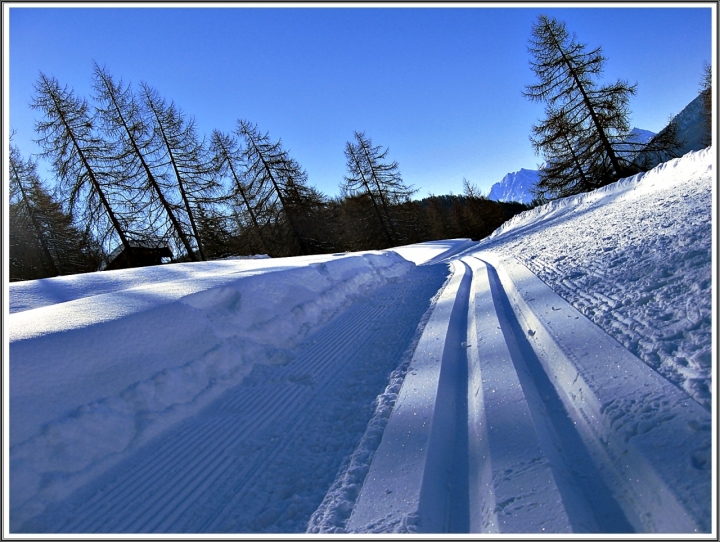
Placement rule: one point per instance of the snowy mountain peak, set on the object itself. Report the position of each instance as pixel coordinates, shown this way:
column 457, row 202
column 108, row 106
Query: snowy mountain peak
column 638, row 135
column 515, row 186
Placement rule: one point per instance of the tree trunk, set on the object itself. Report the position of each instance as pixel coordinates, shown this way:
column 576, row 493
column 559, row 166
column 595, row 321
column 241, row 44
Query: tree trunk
column 180, row 186
column 591, row 109
column 268, row 170
column 372, row 199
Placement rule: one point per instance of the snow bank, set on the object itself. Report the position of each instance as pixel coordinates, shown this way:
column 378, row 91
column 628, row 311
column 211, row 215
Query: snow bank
column 667, row 175
column 87, row 391
column 33, row 294
column 635, row 257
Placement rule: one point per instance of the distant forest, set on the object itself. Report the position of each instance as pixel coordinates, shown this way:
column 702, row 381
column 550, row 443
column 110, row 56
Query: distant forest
column 133, row 174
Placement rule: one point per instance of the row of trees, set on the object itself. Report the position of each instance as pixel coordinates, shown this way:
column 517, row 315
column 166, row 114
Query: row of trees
column 585, row 136
column 131, row 170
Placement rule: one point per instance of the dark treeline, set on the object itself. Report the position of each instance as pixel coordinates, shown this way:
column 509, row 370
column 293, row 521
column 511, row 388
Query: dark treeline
column 132, row 172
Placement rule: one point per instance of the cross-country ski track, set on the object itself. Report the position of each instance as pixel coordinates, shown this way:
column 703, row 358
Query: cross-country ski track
column 501, row 427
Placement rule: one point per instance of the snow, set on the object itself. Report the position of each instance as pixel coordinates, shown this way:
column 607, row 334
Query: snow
column 635, row 258
column 99, row 372
column 504, row 430
column 407, row 470
column 432, row 251
column 555, row 377
column 624, row 415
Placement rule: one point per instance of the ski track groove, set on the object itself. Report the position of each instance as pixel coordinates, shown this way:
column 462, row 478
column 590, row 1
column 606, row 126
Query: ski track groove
column 590, row 505
column 247, row 414
column 594, row 491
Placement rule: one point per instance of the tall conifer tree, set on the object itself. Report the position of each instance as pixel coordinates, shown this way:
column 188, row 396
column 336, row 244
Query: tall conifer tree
column 81, row 159
column 584, row 138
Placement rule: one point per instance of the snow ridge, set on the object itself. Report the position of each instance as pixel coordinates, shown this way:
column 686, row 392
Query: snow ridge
column 693, row 163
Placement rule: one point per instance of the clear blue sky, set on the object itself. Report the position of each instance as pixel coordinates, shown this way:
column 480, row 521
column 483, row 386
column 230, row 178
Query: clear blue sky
column 439, row 86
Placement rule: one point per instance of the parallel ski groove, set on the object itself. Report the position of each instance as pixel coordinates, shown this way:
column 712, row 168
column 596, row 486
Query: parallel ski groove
column 409, row 486
column 591, row 505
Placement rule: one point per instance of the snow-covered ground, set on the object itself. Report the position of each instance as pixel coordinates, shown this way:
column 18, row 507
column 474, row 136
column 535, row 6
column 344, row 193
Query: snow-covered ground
column 117, row 362
column 556, row 377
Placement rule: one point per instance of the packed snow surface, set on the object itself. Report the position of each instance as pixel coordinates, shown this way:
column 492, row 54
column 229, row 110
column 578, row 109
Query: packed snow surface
column 556, row 377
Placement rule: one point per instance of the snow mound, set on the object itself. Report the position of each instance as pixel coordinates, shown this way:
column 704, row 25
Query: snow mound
column 83, row 396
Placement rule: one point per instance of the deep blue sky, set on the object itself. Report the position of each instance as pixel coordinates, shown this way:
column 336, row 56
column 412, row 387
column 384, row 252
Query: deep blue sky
column 440, row 87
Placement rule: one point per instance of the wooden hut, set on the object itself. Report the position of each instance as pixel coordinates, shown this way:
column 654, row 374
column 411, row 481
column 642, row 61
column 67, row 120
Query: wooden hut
column 138, row 254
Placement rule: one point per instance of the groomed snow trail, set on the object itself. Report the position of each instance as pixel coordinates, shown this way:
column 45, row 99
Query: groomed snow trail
column 261, row 457
column 518, row 414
